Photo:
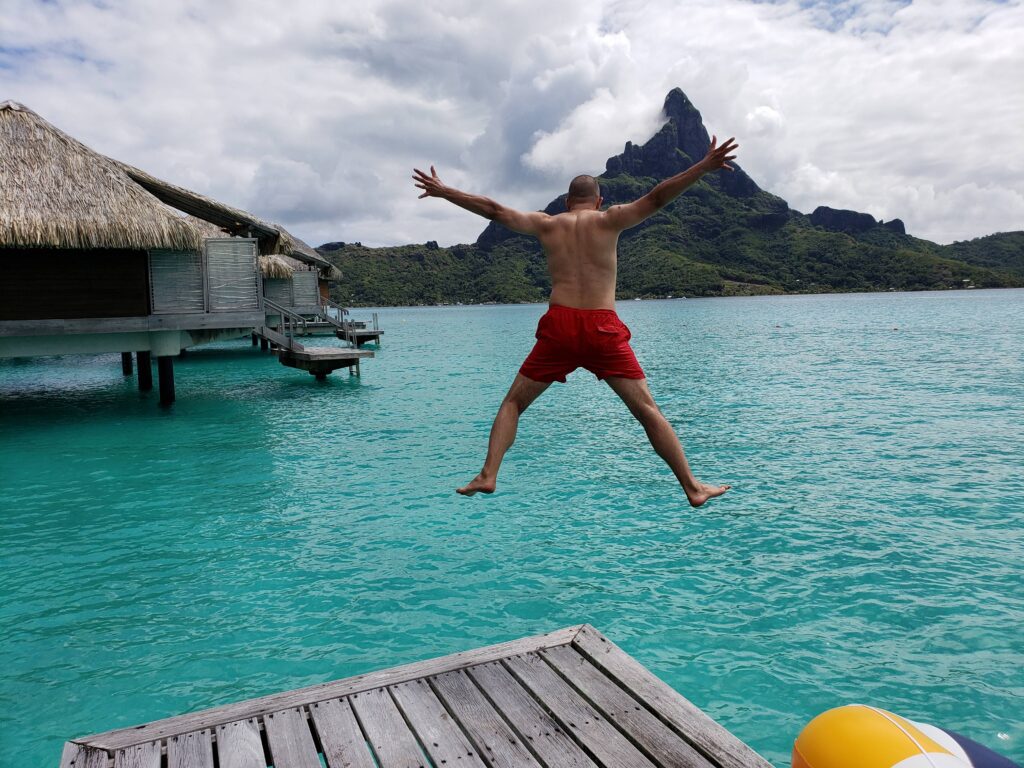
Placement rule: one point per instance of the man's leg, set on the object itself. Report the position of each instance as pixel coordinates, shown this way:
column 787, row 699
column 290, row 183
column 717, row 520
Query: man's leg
column 638, row 399
column 503, row 432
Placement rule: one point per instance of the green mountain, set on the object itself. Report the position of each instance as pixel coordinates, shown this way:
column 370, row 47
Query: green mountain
column 724, row 236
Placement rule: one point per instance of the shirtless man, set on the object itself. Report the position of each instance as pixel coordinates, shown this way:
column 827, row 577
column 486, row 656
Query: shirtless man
column 581, row 328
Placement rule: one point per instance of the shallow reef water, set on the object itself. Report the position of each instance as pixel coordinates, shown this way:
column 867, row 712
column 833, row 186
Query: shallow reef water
column 270, row 531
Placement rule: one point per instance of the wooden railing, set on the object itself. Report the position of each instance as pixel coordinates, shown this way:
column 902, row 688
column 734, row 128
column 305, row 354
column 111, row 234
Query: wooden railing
column 291, row 321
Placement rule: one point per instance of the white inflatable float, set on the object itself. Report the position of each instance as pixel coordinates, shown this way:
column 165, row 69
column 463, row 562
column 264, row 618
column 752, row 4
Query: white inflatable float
column 859, row 736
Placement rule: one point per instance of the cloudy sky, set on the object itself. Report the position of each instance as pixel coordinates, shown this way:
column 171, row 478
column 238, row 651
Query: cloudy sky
column 313, row 112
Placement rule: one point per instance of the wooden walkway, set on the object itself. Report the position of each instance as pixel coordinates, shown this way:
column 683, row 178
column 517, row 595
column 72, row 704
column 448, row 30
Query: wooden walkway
column 567, row 698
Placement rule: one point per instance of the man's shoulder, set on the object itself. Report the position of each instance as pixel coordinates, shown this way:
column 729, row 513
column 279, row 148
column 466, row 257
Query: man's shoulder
column 573, row 216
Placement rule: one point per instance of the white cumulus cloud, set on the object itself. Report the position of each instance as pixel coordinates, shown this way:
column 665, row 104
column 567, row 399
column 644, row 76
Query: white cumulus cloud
column 313, row 113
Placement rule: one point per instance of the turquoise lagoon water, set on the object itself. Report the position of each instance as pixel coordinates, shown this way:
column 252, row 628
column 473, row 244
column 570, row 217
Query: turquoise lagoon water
column 270, row 531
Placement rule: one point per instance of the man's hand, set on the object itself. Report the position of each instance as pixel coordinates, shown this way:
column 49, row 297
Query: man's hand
column 431, row 185
column 629, row 215
column 517, row 221
column 719, row 157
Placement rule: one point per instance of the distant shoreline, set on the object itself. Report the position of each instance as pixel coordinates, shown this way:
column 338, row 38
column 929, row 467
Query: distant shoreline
column 686, row 298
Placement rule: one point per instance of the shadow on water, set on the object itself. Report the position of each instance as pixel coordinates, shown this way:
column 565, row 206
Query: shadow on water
column 47, row 391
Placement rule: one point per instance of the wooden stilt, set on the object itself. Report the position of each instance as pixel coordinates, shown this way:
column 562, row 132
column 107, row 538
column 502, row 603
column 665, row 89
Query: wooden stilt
column 264, row 345
column 165, row 374
column 126, row 363
column 145, row 371
column 255, row 339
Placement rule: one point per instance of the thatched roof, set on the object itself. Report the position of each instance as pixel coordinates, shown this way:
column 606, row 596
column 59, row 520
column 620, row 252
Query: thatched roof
column 56, row 192
column 275, row 267
column 273, row 237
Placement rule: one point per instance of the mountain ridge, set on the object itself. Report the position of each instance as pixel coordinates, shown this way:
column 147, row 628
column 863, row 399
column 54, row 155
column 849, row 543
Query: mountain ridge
column 723, row 236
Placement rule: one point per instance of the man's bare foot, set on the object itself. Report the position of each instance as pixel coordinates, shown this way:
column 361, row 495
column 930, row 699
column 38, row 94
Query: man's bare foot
column 478, row 484
column 706, row 492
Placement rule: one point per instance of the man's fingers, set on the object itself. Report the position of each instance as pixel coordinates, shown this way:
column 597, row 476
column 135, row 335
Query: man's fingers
column 422, row 196
column 713, row 140
column 433, row 172
column 728, row 167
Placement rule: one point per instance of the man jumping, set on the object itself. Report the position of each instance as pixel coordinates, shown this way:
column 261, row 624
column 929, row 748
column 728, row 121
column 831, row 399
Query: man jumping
column 581, row 328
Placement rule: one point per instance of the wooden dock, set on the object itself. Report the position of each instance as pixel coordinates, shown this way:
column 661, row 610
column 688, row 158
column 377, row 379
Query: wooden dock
column 567, row 698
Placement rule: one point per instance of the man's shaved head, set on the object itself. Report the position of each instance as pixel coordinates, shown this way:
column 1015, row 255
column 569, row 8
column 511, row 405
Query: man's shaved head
column 584, row 187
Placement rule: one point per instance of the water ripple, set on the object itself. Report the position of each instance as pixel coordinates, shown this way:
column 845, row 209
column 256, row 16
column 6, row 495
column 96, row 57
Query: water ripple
column 273, row 532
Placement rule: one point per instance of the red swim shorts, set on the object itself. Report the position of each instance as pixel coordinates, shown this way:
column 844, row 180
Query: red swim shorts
column 570, row 338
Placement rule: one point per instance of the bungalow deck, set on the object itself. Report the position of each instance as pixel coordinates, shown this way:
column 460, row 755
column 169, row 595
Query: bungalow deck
column 360, row 336
column 567, row 698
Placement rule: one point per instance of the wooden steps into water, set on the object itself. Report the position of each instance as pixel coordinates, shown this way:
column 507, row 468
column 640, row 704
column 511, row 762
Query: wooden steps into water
column 319, row 361
column 360, row 336
column 567, row 698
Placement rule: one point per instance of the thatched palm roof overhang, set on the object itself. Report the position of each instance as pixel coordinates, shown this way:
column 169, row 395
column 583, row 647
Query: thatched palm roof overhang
column 56, row 192
column 273, row 237
column 275, row 267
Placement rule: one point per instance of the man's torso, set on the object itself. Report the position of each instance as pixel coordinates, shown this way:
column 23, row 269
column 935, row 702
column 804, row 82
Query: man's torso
column 581, row 255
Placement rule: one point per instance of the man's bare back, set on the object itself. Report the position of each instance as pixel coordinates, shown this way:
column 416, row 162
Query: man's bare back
column 580, row 246
column 581, row 327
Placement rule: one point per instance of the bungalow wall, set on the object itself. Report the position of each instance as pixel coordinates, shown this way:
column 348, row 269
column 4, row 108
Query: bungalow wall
column 278, row 290
column 299, row 290
column 45, row 283
column 304, row 289
column 59, row 284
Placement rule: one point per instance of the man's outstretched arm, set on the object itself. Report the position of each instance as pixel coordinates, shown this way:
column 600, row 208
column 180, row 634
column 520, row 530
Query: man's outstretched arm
column 526, row 223
column 631, row 214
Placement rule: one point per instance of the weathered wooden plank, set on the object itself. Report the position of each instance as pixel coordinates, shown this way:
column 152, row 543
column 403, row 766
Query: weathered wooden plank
column 77, row 755
column 190, row 750
column 341, row 739
column 138, row 756
column 705, row 734
column 239, row 745
column 316, row 353
column 501, row 745
column 645, row 730
column 393, row 743
column 209, row 718
column 290, row 741
column 439, row 734
column 585, row 723
column 547, row 739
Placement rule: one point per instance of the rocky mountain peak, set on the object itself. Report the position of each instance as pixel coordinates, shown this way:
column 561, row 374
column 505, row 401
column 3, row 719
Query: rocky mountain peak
column 682, row 141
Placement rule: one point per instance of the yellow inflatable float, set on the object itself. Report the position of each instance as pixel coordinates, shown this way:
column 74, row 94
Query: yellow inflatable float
column 859, row 736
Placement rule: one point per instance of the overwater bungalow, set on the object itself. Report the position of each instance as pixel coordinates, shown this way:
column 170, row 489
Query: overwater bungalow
column 293, row 285
column 99, row 257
